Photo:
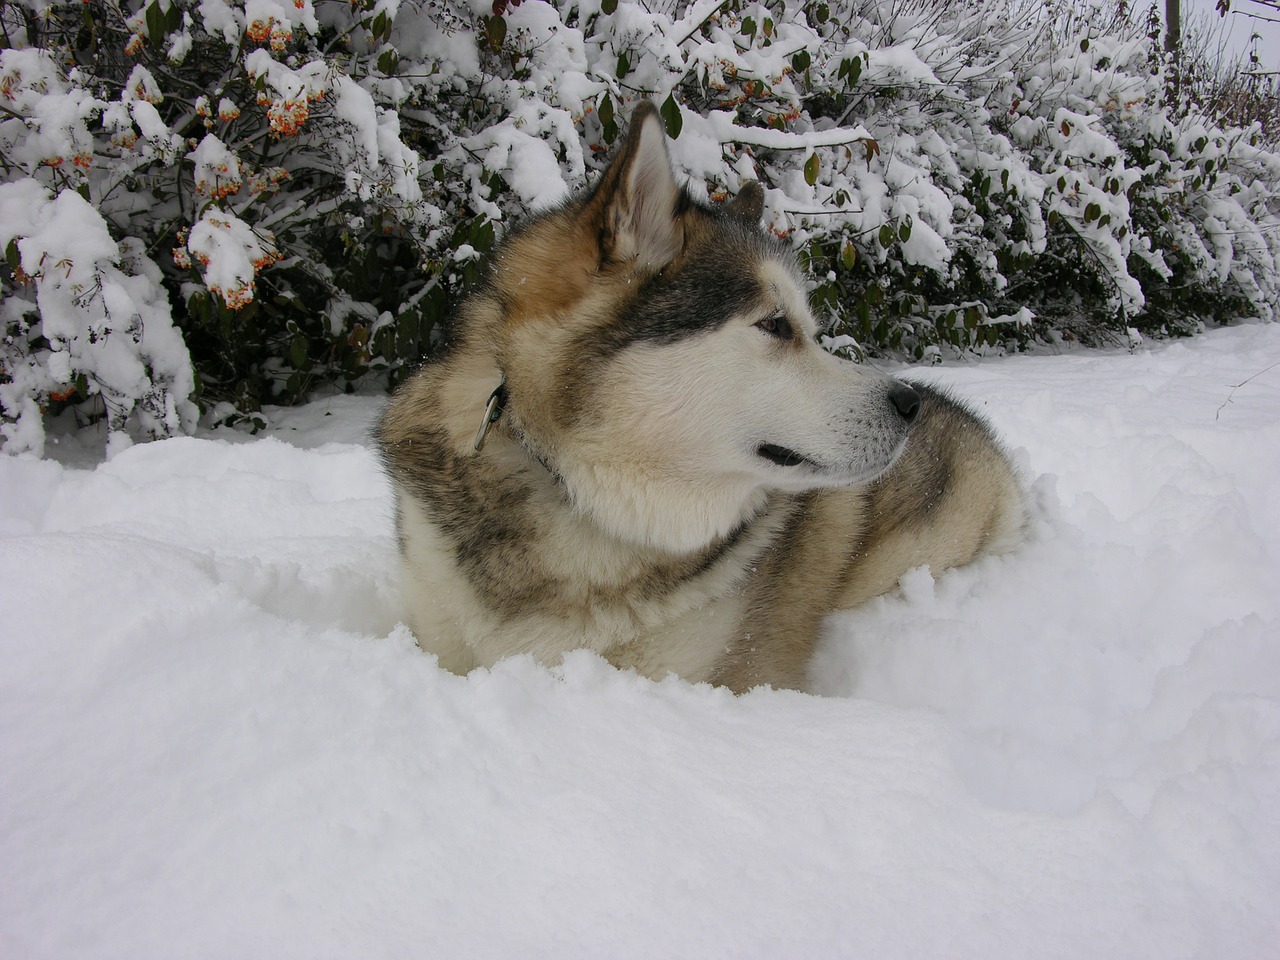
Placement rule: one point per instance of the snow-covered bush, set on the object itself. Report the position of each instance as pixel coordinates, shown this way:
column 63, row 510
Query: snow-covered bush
column 99, row 323
column 308, row 185
column 262, row 198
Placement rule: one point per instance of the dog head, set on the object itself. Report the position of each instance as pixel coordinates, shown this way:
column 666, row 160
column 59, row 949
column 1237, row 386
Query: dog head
column 661, row 359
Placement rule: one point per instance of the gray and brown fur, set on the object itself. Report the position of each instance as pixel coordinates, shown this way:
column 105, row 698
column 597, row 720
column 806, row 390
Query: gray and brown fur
column 680, row 479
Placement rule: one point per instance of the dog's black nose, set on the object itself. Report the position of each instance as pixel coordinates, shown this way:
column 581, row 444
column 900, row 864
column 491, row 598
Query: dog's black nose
column 905, row 400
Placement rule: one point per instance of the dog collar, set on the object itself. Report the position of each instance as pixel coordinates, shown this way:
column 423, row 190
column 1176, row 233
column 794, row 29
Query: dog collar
column 493, row 408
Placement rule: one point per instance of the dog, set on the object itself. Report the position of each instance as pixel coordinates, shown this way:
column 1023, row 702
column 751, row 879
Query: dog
column 634, row 444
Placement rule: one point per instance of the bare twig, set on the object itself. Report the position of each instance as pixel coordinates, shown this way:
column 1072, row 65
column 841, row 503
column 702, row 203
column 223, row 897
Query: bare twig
column 1241, row 384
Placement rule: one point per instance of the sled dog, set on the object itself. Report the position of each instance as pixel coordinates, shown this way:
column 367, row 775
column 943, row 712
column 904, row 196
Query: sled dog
column 634, row 444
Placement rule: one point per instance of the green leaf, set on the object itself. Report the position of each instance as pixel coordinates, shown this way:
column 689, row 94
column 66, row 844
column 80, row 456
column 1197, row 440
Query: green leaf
column 886, row 236
column 298, row 352
column 1084, row 45
column 495, row 31
column 748, row 26
column 86, row 39
column 384, row 343
column 405, row 343
column 800, row 62
column 387, row 62
column 607, row 119
column 12, row 255
column 811, row 167
column 608, row 6
column 482, row 234
column 624, row 65
column 849, row 256
column 1092, row 212
column 155, row 22
column 198, row 306
column 670, row 111
column 904, row 230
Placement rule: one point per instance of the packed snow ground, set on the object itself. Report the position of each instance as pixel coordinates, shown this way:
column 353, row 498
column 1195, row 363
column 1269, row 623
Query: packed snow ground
column 217, row 741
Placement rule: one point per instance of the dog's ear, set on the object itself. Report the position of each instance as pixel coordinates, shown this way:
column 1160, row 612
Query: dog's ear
column 638, row 196
column 748, row 205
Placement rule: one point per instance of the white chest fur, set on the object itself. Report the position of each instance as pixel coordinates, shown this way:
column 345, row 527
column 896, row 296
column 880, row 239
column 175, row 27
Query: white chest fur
column 595, row 600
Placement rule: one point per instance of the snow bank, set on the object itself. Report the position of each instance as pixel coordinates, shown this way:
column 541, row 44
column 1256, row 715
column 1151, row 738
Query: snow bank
column 217, row 742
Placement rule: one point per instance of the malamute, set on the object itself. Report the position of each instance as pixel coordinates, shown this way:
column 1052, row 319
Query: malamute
column 634, row 444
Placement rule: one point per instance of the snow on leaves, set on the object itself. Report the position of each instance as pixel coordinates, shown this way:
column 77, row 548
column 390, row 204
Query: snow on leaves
column 100, row 326
column 206, row 157
column 953, row 173
column 230, row 254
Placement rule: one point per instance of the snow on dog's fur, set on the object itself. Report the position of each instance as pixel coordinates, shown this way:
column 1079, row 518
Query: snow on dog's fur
column 669, row 471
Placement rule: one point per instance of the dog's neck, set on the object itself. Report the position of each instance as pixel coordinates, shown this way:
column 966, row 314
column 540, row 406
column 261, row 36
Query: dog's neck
column 659, row 512
column 641, row 508
column 493, row 410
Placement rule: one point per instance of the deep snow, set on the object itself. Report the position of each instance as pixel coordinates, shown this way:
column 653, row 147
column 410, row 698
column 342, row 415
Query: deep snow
column 216, row 741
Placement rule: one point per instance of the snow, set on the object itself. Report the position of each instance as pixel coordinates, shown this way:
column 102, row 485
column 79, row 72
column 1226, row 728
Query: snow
column 961, row 147
column 218, row 171
column 230, row 253
column 216, row 741
column 103, row 312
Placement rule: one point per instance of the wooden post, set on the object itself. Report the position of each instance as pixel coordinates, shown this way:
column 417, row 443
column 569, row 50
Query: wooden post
column 1173, row 46
column 1173, row 26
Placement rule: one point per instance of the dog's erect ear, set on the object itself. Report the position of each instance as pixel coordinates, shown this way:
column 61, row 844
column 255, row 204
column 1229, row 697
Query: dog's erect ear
column 638, row 196
column 748, row 205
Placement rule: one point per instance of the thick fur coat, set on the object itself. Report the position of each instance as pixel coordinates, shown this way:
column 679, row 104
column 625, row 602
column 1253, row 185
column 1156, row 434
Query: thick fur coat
column 635, row 445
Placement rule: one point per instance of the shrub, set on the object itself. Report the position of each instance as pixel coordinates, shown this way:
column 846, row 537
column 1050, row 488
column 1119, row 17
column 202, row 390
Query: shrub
column 282, row 195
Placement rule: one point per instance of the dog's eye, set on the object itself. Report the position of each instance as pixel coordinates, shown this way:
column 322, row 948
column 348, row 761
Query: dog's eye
column 776, row 326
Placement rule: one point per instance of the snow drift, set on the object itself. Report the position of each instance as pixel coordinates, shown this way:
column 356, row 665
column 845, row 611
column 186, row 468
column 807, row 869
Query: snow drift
column 216, row 741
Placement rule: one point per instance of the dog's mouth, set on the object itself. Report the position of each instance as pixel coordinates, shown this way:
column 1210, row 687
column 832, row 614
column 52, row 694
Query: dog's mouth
column 782, row 456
